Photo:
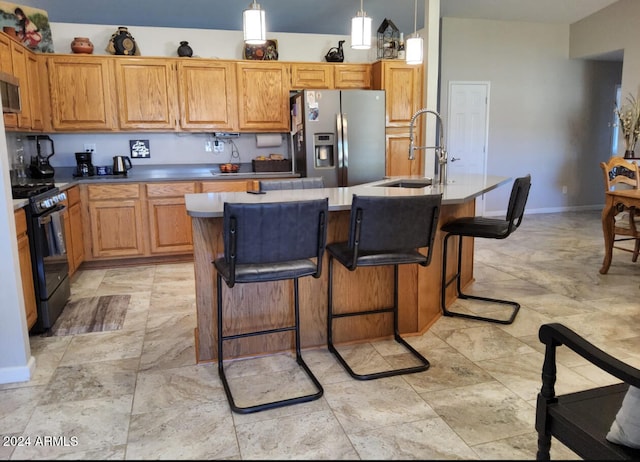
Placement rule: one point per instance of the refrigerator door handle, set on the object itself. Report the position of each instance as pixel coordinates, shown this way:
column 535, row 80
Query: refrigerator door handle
column 343, row 150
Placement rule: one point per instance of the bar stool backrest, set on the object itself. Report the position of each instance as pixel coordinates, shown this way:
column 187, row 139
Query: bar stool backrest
column 517, row 202
column 294, row 183
column 275, row 232
column 393, row 223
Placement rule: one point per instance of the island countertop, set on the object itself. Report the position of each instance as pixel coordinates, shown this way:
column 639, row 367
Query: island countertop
column 419, row 287
column 458, row 190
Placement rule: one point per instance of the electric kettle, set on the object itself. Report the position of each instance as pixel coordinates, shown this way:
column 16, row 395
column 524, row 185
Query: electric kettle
column 121, row 165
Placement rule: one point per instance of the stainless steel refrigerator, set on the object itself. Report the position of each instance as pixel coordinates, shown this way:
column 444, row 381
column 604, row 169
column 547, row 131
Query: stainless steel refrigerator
column 339, row 135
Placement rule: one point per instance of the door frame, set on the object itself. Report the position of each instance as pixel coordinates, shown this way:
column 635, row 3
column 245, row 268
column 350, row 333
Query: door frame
column 480, row 204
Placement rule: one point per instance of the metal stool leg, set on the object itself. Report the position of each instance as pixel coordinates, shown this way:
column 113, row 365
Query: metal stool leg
column 299, row 360
column 424, row 363
column 446, row 283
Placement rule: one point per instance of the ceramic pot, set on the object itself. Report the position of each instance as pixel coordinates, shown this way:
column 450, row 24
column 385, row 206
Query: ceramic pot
column 123, row 43
column 629, row 154
column 82, row 45
column 184, row 50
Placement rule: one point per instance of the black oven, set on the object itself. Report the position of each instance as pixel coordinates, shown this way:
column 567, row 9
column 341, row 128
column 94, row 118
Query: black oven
column 45, row 228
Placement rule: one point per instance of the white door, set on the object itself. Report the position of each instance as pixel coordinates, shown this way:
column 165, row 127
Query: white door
column 468, row 129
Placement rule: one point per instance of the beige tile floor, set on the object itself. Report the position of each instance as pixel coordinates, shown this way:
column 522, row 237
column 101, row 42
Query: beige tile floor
column 136, row 393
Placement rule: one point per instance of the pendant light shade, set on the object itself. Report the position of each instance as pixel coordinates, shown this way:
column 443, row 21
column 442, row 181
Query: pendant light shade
column 361, row 30
column 254, row 25
column 414, row 44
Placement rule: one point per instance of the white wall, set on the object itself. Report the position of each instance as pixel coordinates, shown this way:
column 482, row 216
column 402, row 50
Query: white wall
column 544, row 108
column 16, row 362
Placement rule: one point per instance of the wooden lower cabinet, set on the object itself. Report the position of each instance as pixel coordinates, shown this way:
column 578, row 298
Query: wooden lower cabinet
column 116, row 220
column 26, row 273
column 169, row 224
column 226, row 186
column 73, row 229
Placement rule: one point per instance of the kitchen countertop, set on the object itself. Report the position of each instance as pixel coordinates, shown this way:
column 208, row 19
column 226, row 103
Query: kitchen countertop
column 64, row 178
column 457, row 191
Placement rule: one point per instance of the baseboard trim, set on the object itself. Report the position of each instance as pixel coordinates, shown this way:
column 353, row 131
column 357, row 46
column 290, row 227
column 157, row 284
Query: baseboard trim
column 18, row 373
column 575, row 208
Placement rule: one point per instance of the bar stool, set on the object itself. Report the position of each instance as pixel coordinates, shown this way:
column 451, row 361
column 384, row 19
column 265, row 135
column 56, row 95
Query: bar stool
column 384, row 230
column 490, row 228
column 270, row 242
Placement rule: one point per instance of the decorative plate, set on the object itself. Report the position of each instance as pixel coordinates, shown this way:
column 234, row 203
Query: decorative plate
column 265, row 52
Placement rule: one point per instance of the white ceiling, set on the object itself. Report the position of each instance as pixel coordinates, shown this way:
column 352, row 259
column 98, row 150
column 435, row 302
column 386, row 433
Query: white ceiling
column 304, row 16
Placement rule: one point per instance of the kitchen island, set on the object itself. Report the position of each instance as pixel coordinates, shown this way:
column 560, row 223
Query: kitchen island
column 366, row 288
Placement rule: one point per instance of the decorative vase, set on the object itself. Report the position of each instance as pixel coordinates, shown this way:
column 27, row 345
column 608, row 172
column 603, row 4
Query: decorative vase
column 184, row 50
column 628, row 154
column 82, row 45
column 122, row 43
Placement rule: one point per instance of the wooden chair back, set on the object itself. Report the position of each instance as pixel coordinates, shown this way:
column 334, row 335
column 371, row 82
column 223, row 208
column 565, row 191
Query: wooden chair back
column 619, row 171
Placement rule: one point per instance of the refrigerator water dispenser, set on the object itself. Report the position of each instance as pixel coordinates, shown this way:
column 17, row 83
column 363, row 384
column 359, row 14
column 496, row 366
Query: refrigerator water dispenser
column 323, row 148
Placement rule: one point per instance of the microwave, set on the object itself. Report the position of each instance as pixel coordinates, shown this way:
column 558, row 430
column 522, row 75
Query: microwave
column 10, row 93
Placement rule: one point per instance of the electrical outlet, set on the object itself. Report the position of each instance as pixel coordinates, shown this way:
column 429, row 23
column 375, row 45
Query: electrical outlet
column 218, row 146
column 90, row 147
column 208, row 146
column 564, row 189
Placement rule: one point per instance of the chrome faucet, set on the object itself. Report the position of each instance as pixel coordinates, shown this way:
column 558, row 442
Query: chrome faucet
column 440, row 149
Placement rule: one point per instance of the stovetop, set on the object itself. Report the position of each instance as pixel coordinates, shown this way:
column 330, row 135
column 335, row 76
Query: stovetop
column 25, row 191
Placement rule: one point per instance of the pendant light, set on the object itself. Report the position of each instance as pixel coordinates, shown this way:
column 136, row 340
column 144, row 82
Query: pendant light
column 414, row 44
column 361, row 30
column 253, row 25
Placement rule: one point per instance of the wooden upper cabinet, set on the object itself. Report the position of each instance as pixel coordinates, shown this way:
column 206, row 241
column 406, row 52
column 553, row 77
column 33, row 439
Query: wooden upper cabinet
column 82, row 92
column 19, row 60
column 207, row 95
column 6, row 65
column 312, row 75
column 403, row 85
column 35, row 95
column 146, row 91
column 263, row 96
column 352, row 76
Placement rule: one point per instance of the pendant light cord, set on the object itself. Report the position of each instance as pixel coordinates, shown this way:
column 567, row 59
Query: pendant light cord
column 415, row 18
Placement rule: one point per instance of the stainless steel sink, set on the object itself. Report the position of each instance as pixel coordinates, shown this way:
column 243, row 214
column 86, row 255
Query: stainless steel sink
column 407, row 183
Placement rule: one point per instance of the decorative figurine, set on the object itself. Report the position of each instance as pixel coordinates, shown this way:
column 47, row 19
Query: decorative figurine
column 335, row 55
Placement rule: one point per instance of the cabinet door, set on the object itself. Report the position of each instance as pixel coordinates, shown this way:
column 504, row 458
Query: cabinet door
column 146, row 93
column 353, row 76
column 403, row 85
column 115, row 215
column 169, row 224
column 311, row 75
column 35, row 95
column 82, row 93
column 6, row 65
column 227, row 186
column 19, row 61
column 73, row 230
column 26, row 273
column 207, row 94
column 397, row 148
column 263, row 96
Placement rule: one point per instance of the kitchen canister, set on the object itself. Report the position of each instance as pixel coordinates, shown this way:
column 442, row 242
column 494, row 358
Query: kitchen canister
column 82, row 45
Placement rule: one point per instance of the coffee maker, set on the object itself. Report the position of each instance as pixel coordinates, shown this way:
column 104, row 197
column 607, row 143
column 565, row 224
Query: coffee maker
column 40, row 166
column 84, row 164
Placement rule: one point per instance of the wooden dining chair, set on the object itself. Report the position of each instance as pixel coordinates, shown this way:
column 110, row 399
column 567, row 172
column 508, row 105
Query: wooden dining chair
column 620, row 173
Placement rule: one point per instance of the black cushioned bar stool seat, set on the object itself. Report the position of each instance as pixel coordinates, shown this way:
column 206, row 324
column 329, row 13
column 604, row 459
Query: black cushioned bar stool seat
column 489, row 228
column 270, row 242
column 384, row 230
